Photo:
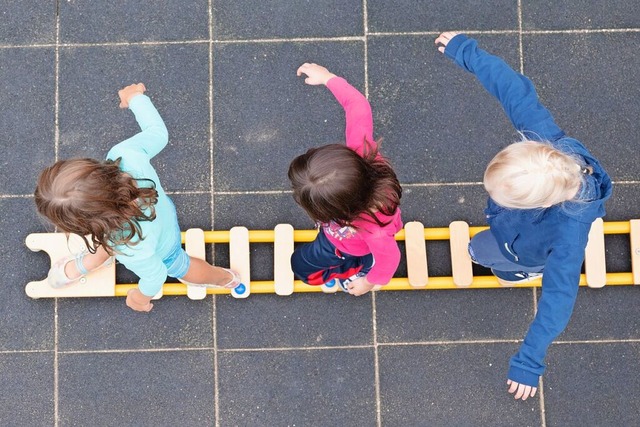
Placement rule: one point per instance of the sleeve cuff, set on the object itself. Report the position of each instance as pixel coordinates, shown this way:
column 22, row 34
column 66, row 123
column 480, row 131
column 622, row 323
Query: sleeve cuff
column 523, row 376
column 138, row 100
column 334, row 81
column 454, row 44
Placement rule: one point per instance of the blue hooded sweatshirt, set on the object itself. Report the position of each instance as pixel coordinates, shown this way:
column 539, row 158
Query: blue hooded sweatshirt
column 555, row 237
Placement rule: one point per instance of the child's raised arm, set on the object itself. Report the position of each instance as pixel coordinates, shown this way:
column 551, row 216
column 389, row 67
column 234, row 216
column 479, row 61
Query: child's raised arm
column 154, row 135
column 358, row 116
column 515, row 92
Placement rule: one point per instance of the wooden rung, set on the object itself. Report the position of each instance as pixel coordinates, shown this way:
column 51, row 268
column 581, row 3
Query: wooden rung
column 594, row 261
column 635, row 250
column 282, row 251
column 239, row 259
column 416, row 248
column 461, row 267
column 195, row 247
column 99, row 283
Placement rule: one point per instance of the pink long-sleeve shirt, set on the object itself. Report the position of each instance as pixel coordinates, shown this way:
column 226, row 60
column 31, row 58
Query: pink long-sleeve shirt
column 365, row 236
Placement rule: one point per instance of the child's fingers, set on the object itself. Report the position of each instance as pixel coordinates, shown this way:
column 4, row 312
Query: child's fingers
column 444, row 38
column 302, row 68
column 449, row 34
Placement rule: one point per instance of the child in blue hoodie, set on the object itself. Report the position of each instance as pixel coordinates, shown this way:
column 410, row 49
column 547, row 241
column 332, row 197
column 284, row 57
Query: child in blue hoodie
column 544, row 193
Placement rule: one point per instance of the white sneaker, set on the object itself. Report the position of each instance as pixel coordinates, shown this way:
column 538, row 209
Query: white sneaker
column 514, row 278
column 231, row 284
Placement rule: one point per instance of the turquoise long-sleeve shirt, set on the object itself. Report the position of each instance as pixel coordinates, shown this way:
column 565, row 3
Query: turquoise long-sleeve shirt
column 161, row 235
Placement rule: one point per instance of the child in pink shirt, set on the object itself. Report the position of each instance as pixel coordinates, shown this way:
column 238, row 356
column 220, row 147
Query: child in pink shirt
column 352, row 194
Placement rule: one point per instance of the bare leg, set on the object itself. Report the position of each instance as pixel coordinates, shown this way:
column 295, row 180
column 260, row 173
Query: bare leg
column 203, row 273
column 90, row 262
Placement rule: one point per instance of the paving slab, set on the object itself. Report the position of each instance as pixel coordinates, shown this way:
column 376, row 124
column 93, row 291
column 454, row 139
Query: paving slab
column 27, row 396
column 291, row 388
column 438, row 123
column 27, row 88
column 300, row 320
column 457, row 315
column 177, row 81
column 246, row 19
column 609, row 313
column 417, row 15
column 598, row 108
column 145, row 389
column 27, row 324
column 450, row 385
column 107, row 323
column 592, row 384
column 264, row 115
column 579, row 14
column 31, row 22
column 438, row 205
column 133, row 21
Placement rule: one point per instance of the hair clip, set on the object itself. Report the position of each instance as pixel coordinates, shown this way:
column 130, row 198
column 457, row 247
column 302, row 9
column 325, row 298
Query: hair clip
column 586, row 170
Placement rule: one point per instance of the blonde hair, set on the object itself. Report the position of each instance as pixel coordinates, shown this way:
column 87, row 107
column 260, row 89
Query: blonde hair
column 530, row 174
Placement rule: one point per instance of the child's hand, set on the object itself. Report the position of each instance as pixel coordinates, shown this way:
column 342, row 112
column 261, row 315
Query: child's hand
column 127, row 93
column 360, row 286
column 317, row 74
column 138, row 301
column 522, row 391
column 444, row 40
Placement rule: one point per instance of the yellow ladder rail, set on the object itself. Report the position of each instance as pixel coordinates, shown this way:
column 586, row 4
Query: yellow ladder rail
column 102, row 282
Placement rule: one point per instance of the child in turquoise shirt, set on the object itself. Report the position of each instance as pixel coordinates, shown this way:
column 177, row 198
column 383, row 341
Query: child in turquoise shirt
column 120, row 205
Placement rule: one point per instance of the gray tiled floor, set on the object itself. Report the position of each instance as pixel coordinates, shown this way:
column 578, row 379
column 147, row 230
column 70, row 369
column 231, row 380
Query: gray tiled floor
column 222, row 74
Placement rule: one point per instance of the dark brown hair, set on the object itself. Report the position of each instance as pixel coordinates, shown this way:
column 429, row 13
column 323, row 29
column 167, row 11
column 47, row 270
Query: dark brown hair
column 95, row 199
column 334, row 183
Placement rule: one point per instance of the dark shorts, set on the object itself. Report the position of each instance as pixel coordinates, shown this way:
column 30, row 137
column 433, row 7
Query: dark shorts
column 484, row 250
column 320, row 261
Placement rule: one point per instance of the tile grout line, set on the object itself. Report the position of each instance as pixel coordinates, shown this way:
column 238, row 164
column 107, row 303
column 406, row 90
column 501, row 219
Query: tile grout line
column 365, row 25
column 276, row 192
column 312, row 348
column 374, row 326
column 543, row 416
column 214, row 325
column 520, row 49
column 507, row 32
column 543, row 421
column 56, row 148
column 376, row 359
column 24, row 351
column 323, row 39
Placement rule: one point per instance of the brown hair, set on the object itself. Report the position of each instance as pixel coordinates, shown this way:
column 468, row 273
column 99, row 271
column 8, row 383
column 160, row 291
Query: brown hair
column 96, row 199
column 334, row 183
